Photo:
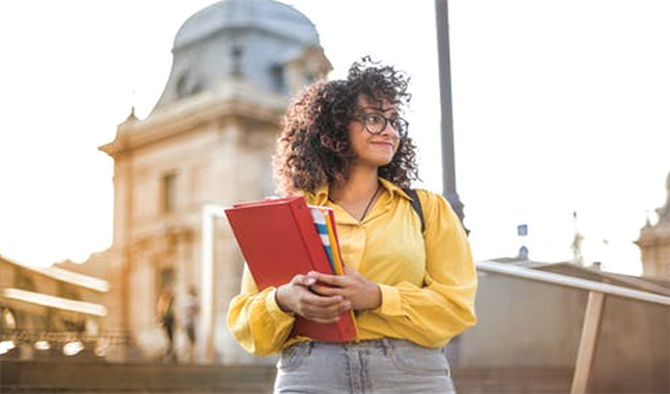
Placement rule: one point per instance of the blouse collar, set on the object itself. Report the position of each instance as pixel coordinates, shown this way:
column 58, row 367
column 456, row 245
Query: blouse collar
column 320, row 196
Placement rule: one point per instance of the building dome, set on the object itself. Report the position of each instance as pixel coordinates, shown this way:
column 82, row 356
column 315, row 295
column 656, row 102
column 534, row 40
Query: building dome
column 261, row 42
column 274, row 17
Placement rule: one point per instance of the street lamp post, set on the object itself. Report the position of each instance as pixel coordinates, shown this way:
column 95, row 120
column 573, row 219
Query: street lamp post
column 444, row 63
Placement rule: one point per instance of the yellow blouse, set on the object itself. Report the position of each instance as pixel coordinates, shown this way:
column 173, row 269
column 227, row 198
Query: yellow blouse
column 428, row 282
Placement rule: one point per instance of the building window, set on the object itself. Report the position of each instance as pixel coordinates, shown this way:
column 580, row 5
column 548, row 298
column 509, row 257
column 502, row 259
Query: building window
column 166, row 278
column 24, row 282
column 278, row 78
column 182, row 86
column 169, row 193
column 236, row 62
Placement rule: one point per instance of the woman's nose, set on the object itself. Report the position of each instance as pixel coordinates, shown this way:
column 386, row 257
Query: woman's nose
column 390, row 130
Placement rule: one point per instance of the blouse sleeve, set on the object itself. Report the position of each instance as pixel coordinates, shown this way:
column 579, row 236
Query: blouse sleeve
column 256, row 320
column 443, row 307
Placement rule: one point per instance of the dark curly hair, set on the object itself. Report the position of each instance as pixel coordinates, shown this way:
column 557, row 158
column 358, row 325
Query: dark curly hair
column 313, row 149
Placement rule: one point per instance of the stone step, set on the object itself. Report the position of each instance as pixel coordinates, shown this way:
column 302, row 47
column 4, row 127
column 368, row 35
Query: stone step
column 55, row 390
column 512, row 380
column 70, row 377
column 98, row 377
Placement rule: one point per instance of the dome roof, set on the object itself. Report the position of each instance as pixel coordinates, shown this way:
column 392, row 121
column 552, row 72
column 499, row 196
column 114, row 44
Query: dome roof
column 268, row 15
column 254, row 41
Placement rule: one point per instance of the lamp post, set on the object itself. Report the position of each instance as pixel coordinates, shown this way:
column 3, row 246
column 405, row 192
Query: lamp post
column 444, row 63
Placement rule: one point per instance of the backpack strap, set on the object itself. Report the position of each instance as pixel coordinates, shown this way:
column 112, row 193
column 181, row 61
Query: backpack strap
column 416, row 204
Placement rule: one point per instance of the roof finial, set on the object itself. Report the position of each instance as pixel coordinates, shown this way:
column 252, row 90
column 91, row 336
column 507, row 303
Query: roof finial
column 577, row 241
column 131, row 117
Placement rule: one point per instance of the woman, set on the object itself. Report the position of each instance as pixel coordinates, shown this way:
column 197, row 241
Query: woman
column 344, row 145
column 166, row 317
column 191, row 311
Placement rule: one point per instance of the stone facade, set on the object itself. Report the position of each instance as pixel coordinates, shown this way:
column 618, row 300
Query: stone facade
column 211, row 145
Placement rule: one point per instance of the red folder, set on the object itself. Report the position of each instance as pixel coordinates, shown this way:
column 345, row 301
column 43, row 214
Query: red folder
column 279, row 240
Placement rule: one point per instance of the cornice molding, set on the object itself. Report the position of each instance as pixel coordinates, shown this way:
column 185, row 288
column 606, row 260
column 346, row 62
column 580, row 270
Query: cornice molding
column 234, row 98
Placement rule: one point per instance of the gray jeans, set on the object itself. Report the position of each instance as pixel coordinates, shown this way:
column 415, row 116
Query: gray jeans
column 368, row 367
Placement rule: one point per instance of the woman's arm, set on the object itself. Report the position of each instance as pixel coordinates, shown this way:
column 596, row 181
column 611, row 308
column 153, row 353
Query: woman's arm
column 440, row 308
column 444, row 306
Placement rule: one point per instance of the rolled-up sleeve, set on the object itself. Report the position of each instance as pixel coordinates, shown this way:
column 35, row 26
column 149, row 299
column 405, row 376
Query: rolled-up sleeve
column 444, row 305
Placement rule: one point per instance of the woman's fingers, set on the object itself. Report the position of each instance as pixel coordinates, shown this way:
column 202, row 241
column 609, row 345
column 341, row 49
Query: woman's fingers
column 314, row 306
column 303, row 280
column 318, row 297
column 352, row 286
column 326, row 290
column 324, row 315
column 333, row 280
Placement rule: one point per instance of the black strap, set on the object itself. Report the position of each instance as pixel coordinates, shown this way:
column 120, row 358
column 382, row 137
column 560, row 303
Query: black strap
column 416, row 204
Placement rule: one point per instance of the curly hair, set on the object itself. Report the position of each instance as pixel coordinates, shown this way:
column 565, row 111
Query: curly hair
column 313, row 149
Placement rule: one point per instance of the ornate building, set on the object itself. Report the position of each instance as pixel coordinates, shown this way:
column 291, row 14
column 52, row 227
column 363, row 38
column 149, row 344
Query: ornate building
column 654, row 242
column 208, row 141
column 51, row 313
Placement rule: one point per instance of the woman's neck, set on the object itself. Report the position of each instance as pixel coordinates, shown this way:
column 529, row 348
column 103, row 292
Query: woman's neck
column 359, row 186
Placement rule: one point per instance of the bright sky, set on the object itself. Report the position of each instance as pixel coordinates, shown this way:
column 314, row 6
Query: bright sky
column 559, row 106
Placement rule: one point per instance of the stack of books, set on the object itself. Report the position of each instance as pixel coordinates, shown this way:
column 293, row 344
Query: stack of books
column 283, row 237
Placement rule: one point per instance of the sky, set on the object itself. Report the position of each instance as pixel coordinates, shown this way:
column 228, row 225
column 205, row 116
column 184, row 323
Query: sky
column 559, row 107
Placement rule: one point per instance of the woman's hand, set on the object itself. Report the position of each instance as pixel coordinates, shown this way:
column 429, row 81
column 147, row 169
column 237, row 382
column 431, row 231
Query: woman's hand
column 352, row 286
column 297, row 297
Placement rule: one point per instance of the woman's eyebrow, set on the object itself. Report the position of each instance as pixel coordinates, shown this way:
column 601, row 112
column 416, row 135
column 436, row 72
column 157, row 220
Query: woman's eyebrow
column 379, row 109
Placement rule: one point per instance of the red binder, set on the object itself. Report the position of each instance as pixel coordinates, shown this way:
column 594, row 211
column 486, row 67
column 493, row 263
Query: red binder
column 279, row 240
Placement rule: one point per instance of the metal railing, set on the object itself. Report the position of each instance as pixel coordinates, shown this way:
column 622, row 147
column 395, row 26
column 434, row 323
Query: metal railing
column 592, row 316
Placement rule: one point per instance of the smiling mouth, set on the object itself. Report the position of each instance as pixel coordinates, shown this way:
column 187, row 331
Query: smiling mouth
column 383, row 145
column 389, row 143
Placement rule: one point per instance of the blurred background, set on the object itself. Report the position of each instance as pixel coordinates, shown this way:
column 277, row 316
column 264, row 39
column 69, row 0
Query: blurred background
column 125, row 127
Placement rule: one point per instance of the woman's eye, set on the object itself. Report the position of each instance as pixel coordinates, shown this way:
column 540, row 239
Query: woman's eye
column 373, row 118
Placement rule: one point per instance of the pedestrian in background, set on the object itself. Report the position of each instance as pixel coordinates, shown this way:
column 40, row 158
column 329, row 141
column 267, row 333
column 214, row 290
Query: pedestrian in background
column 191, row 312
column 166, row 318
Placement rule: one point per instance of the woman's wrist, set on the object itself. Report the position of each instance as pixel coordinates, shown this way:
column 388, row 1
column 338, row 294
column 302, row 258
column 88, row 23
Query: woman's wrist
column 374, row 296
column 280, row 294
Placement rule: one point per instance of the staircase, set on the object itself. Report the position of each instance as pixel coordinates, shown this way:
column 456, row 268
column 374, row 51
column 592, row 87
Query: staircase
column 75, row 377
column 512, row 380
column 99, row 377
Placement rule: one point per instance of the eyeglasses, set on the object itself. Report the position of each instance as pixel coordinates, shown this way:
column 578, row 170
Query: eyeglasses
column 375, row 123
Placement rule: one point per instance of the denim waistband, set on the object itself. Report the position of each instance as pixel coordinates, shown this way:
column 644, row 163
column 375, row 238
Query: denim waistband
column 385, row 344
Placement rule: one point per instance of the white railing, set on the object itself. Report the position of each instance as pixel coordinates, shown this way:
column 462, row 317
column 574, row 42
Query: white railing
column 66, row 304
column 592, row 316
column 210, row 213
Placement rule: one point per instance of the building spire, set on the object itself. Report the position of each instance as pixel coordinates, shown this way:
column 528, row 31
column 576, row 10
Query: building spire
column 664, row 211
column 577, row 240
column 131, row 117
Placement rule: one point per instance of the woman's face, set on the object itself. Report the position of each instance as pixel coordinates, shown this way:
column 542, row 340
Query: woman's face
column 373, row 139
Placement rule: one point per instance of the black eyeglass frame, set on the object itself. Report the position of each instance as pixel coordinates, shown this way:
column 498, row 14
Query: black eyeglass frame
column 402, row 130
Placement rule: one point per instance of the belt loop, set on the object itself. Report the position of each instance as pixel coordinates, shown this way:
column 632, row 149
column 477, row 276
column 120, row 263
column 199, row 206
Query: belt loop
column 387, row 346
column 310, row 346
column 444, row 354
